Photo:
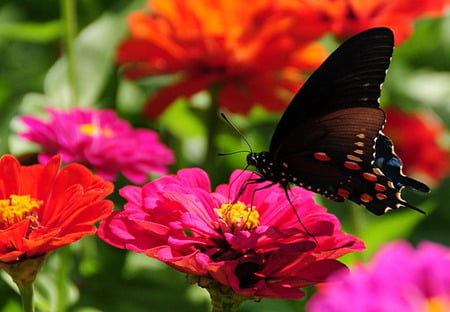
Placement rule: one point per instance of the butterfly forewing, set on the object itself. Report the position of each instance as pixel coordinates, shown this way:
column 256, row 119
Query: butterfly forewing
column 350, row 77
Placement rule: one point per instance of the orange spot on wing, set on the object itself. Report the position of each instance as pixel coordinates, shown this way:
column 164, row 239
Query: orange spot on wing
column 380, row 187
column 381, row 196
column 354, row 158
column 369, row 176
column 366, row 198
column 352, row 165
column 343, row 193
column 322, row 156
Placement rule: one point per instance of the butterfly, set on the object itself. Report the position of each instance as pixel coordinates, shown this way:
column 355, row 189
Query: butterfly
column 330, row 140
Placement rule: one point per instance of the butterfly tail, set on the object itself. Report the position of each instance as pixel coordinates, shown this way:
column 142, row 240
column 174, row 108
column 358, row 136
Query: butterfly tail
column 414, row 184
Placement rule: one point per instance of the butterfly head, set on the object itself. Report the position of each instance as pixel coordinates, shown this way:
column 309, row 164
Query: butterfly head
column 262, row 161
column 253, row 159
column 265, row 165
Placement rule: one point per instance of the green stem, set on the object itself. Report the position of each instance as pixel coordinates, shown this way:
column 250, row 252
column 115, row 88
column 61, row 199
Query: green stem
column 62, row 277
column 212, row 124
column 358, row 222
column 223, row 298
column 26, row 293
column 70, row 28
column 24, row 273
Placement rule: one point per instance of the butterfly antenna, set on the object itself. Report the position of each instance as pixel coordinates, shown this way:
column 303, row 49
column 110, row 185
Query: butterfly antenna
column 237, row 131
column 232, row 153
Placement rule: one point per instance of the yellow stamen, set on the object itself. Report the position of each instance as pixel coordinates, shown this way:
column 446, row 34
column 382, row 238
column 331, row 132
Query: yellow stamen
column 239, row 216
column 437, row 304
column 17, row 208
column 94, row 130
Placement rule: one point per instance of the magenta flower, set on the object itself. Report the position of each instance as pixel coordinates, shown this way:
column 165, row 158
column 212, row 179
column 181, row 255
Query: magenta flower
column 102, row 140
column 262, row 251
column 399, row 279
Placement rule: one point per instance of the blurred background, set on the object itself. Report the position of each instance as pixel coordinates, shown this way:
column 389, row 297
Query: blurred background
column 93, row 276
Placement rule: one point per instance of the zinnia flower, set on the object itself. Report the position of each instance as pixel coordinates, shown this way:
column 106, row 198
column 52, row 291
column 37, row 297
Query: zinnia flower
column 100, row 139
column 255, row 245
column 400, row 279
column 250, row 52
column 418, row 141
column 43, row 207
column 348, row 17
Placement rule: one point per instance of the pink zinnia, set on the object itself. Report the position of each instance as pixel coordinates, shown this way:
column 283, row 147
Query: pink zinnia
column 102, row 140
column 259, row 251
column 400, row 279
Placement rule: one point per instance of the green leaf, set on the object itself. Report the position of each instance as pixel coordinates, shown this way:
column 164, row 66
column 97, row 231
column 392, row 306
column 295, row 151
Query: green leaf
column 32, row 32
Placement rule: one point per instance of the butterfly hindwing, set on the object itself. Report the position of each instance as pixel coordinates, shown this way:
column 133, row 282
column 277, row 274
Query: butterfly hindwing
column 391, row 165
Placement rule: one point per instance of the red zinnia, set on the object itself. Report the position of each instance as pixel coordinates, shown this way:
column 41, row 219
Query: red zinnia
column 43, row 207
column 251, row 52
column 255, row 245
column 418, row 141
column 348, row 17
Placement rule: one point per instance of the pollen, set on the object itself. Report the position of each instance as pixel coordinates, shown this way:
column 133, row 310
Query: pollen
column 239, row 216
column 17, row 208
column 94, row 130
column 437, row 304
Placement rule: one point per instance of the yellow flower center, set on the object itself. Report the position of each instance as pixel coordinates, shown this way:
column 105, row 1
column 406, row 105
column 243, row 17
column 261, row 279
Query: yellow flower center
column 437, row 304
column 94, row 130
column 239, row 216
column 17, row 208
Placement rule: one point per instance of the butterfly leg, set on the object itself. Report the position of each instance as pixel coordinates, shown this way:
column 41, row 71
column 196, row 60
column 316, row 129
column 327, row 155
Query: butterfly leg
column 286, row 189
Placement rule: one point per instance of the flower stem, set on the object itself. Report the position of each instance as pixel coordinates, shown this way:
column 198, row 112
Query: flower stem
column 358, row 226
column 210, row 161
column 62, row 278
column 24, row 273
column 224, row 303
column 70, row 27
column 223, row 298
column 26, row 293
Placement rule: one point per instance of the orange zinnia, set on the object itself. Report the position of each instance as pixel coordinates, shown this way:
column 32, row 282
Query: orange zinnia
column 43, row 207
column 252, row 52
column 348, row 17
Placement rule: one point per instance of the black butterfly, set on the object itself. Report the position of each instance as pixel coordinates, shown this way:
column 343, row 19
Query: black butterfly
column 330, row 138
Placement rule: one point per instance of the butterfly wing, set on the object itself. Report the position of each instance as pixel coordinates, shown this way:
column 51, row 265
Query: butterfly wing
column 391, row 165
column 326, row 139
column 350, row 77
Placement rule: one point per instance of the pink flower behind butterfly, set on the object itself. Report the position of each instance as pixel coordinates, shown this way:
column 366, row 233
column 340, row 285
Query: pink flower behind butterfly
column 102, row 140
column 400, row 279
column 262, row 251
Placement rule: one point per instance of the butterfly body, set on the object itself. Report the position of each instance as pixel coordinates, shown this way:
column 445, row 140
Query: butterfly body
column 330, row 138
